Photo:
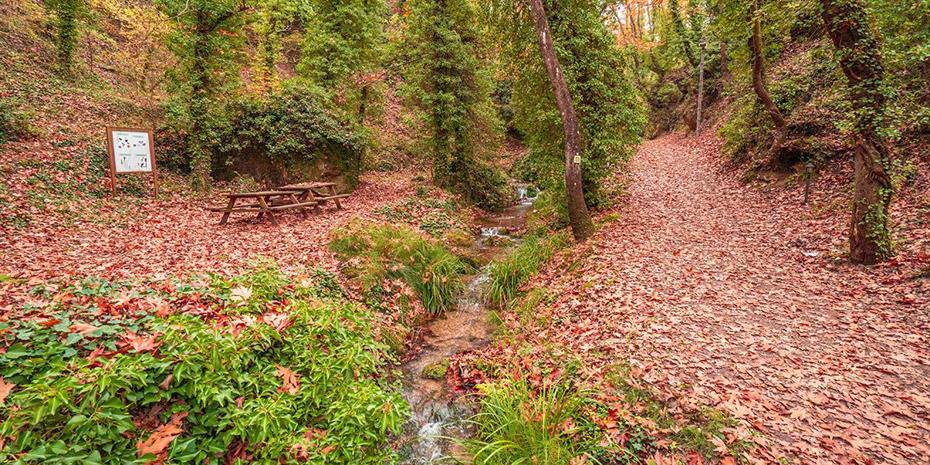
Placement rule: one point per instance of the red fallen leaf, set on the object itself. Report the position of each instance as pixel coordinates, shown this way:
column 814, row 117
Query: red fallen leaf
column 300, row 452
column 83, row 329
column 163, row 309
column 94, row 354
column 279, row 321
column 328, row 449
column 239, row 401
column 237, row 453
column 728, row 461
column 5, row 389
column 817, row 398
column 661, row 459
column 48, row 322
column 314, row 433
column 167, row 382
column 694, row 458
column 159, row 441
column 290, row 380
column 124, row 299
column 138, row 343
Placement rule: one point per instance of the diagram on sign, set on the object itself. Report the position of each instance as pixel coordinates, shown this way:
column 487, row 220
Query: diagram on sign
column 132, row 152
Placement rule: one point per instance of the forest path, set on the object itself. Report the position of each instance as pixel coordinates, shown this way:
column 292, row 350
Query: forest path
column 725, row 296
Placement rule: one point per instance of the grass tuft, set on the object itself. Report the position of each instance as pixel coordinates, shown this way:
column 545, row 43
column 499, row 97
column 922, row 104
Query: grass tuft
column 509, row 273
column 518, row 425
column 378, row 252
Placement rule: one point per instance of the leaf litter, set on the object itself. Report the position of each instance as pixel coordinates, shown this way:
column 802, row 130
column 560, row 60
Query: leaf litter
column 721, row 295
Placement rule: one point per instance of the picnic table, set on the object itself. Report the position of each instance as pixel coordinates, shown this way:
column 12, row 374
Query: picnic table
column 265, row 203
column 321, row 192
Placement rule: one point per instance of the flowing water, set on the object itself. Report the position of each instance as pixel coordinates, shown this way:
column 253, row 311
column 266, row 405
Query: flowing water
column 438, row 419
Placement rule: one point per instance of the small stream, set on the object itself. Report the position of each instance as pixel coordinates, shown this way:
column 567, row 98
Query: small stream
column 437, row 419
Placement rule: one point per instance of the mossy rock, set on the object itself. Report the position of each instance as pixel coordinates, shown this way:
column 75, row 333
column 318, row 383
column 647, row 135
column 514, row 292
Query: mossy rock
column 498, row 241
column 436, row 370
column 458, row 238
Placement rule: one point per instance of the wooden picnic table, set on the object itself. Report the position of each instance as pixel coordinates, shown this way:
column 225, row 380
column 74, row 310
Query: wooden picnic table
column 318, row 191
column 265, row 203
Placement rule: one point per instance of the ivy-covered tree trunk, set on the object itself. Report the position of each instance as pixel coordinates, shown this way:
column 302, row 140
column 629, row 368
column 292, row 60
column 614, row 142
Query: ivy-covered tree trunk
column 579, row 217
column 758, row 76
column 272, row 20
column 700, row 95
column 858, row 50
column 201, row 163
column 682, row 32
column 450, row 83
column 66, row 15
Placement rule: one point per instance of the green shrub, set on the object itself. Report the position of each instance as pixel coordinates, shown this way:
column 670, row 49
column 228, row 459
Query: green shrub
column 745, row 128
column 14, row 124
column 224, row 381
column 483, row 184
column 513, row 270
column 516, row 425
column 436, row 370
column 384, row 252
column 428, row 212
column 294, row 128
column 549, row 211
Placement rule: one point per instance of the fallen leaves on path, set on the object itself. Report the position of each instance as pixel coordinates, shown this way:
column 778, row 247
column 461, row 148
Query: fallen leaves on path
column 83, row 329
column 722, row 295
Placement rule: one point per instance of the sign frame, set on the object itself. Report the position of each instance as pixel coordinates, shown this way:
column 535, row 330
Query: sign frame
column 112, row 152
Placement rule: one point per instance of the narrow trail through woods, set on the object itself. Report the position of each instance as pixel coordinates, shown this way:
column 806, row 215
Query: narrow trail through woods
column 721, row 295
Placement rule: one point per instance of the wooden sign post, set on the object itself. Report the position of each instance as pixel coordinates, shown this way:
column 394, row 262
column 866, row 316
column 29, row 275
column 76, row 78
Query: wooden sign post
column 132, row 150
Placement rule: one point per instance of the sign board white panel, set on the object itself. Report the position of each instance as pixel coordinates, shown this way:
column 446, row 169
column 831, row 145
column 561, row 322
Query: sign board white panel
column 131, row 151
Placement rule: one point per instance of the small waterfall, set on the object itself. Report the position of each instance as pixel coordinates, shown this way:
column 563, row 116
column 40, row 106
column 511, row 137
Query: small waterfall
column 494, row 231
column 527, row 194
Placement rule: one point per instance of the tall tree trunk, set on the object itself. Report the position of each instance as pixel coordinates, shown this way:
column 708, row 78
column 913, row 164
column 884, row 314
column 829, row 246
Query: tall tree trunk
column 201, row 159
column 758, row 78
column 578, row 215
column 682, row 32
column 700, row 95
column 724, row 60
column 724, row 57
column 858, row 49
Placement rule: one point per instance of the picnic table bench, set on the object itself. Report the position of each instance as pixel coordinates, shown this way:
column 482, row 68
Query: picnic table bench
column 321, row 192
column 265, row 203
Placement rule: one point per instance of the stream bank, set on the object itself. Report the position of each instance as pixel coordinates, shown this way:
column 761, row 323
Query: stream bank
column 438, row 420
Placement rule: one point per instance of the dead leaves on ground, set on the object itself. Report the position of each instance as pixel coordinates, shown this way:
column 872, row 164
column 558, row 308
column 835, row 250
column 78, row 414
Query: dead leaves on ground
column 708, row 288
column 178, row 236
column 290, row 381
column 157, row 443
column 5, row 389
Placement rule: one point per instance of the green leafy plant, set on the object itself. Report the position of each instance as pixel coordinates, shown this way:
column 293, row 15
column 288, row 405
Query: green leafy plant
column 293, row 129
column 14, row 124
column 285, row 372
